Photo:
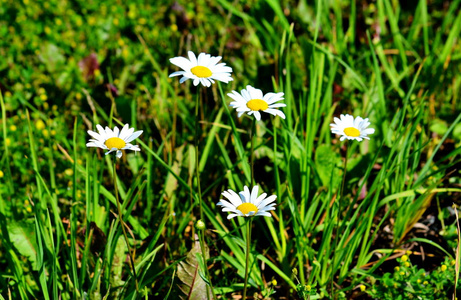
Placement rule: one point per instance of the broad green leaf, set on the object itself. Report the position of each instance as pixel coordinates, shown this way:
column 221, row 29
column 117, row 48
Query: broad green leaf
column 325, row 161
column 117, row 265
column 191, row 285
column 22, row 236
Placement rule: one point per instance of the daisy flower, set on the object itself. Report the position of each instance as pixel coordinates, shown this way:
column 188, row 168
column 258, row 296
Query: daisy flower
column 115, row 140
column 247, row 204
column 252, row 101
column 351, row 129
column 204, row 69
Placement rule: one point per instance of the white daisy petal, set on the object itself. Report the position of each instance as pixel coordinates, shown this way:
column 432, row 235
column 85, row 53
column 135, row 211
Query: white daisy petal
column 97, row 136
column 275, row 112
column 181, row 62
column 192, row 57
column 177, row 73
column 277, row 105
column 125, row 132
column 133, row 136
column 264, row 214
column 246, row 203
column 92, row 144
column 116, row 131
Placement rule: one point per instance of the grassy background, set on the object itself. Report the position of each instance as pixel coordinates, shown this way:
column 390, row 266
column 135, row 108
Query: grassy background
column 68, row 65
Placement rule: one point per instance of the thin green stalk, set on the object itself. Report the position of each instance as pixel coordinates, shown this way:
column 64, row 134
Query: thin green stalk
column 5, row 149
column 199, row 192
column 207, row 273
column 247, row 255
column 338, row 214
column 197, row 167
column 122, row 224
column 252, row 156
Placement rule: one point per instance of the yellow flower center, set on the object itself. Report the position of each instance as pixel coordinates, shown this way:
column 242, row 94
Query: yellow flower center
column 201, row 71
column 246, row 208
column 351, row 131
column 257, row 104
column 115, row 142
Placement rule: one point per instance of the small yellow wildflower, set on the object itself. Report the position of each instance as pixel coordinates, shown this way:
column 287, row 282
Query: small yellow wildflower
column 92, row 20
column 397, row 268
column 40, row 125
column 406, row 264
column 69, row 172
column 1, row 174
column 8, row 141
column 425, row 282
column 308, row 288
column 43, row 97
column 443, row 268
column 363, row 288
column 404, row 258
column 13, row 128
column 402, row 273
column 274, row 282
column 132, row 14
column 408, row 252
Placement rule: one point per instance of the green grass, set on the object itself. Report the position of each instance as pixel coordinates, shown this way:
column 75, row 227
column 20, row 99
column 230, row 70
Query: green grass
column 396, row 64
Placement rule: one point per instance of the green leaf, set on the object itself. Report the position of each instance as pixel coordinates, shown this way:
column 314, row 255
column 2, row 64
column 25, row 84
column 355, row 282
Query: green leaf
column 325, row 161
column 117, row 265
column 457, row 131
column 22, row 236
column 192, row 285
column 438, row 126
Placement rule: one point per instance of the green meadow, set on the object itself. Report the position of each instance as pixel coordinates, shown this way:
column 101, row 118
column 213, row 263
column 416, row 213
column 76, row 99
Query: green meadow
column 370, row 219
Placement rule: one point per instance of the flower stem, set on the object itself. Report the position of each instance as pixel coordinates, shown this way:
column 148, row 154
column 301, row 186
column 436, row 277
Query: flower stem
column 197, row 164
column 247, row 255
column 207, row 273
column 338, row 214
column 122, row 224
column 252, row 159
column 199, row 192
